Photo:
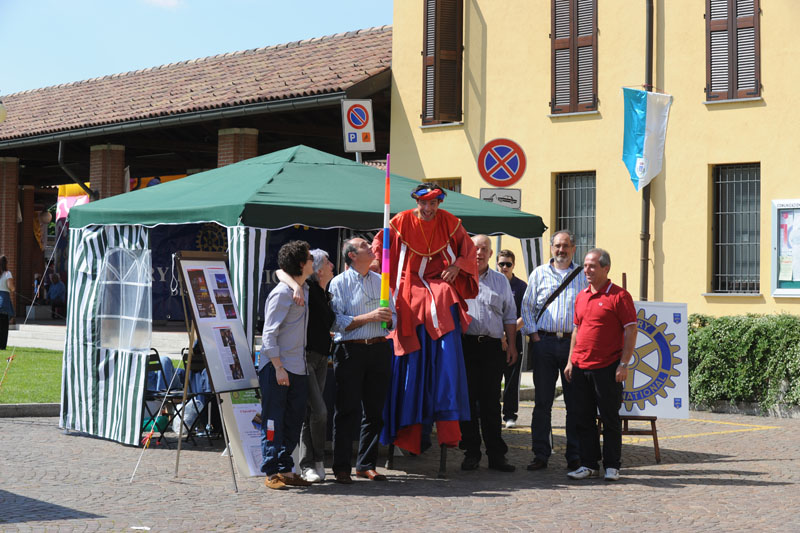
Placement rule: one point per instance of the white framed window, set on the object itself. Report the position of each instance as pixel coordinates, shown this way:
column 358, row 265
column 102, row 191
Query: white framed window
column 125, row 287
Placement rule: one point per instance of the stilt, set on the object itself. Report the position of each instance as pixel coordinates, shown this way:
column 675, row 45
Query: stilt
column 390, row 458
column 442, row 462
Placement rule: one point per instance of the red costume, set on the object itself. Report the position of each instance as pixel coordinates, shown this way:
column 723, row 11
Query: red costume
column 420, row 252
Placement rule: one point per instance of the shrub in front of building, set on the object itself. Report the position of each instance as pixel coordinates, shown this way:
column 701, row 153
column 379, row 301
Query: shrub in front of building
column 745, row 358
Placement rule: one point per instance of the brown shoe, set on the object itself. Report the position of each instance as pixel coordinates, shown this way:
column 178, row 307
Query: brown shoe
column 537, row 464
column 371, row 474
column 274, row 482
column 343, row 477
column 290, row 478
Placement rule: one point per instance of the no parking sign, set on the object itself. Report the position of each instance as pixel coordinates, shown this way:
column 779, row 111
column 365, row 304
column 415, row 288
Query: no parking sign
column 501, row 162
column 357, row 126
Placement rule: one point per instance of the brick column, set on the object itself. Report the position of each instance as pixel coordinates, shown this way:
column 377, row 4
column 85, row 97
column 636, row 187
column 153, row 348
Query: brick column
column 107, row 169
column 9, row 199
column 236, row 144
column 27, row 249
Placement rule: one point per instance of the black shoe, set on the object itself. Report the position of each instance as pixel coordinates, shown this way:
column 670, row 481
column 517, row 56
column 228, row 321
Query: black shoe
column 537, row 464
column 573, row 464
column 502, row 466
column 470, row 463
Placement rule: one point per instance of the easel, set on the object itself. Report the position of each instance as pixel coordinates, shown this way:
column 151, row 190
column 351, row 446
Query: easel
column 194, row 333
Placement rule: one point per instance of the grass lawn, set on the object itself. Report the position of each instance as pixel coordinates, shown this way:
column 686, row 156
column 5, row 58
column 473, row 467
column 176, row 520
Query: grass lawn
column 34, row 376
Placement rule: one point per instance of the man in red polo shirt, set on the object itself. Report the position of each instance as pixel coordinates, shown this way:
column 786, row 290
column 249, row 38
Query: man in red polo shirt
column 601, row 349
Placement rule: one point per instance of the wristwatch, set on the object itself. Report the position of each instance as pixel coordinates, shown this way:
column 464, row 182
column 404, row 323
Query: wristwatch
column 624, row 365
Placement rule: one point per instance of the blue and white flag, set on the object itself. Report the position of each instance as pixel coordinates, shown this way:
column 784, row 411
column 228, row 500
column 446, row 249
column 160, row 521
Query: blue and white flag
column 646, row 116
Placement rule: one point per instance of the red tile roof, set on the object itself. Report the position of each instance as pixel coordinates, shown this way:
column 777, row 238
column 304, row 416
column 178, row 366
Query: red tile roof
column 303, row 68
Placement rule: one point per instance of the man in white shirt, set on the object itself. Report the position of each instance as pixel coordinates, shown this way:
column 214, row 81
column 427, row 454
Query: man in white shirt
column 493, row 313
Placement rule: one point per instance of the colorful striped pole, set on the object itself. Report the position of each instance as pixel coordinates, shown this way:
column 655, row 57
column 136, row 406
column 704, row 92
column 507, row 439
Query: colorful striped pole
column 387, row 200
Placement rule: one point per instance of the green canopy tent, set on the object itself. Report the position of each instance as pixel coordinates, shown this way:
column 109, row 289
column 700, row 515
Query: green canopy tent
column 102, row 387
column 298, row 185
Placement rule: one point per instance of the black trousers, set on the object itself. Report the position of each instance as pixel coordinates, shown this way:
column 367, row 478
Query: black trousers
column 484, row 363
column 597, row 390
column 363, row 374
column 3, row 331
column 511, row 378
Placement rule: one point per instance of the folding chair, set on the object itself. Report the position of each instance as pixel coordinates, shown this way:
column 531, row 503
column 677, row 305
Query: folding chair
column 200, row 398
column 163, row 394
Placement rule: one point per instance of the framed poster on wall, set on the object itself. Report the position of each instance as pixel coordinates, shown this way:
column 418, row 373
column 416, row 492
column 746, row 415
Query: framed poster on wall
column 785, row 264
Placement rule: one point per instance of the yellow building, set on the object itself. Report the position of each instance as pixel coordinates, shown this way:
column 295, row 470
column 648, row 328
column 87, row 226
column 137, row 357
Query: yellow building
column 548, row 74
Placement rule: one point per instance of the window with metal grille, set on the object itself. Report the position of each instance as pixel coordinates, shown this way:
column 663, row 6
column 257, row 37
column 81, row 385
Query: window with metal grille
column 575, row 209
column 442, row 61
column 733, row 54
column 574, row 56
column 451, row 184
column 736, row 228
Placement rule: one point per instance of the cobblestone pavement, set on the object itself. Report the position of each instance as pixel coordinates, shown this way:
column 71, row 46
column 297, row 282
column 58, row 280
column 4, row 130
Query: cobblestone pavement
column 718, row 472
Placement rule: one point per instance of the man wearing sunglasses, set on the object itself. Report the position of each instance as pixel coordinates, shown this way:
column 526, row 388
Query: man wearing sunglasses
column 505, row 264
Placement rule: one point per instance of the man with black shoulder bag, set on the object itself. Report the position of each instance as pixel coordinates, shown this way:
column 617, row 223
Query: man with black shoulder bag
column 547, row 313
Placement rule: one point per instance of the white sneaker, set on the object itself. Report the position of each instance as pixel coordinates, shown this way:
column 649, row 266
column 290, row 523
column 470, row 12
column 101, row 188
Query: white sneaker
column 612, row 474
column 310, row 475
column 583, row 473
column 320, row 469
column 510, row 423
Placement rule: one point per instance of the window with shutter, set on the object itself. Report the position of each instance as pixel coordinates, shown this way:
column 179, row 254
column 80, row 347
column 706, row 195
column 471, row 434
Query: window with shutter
column 442, row 61
column 574, row 56
column 732, row 49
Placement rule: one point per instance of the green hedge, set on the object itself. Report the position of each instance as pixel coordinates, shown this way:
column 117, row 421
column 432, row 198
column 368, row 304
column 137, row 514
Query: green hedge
column 746, row 358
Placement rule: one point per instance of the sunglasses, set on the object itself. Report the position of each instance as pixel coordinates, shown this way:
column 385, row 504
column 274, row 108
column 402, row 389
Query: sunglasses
column 505, row 264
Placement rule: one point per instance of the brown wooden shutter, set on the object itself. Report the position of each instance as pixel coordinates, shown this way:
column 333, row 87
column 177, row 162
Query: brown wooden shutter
column 586, row 55
column 732, row 49
column 442, row 61
column 561, row 40
column 747, row 83
column 574, row 56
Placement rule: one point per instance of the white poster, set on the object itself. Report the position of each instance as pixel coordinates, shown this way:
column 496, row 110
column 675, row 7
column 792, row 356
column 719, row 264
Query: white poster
column 228, row 355
column 658, row 379
column 244, row 409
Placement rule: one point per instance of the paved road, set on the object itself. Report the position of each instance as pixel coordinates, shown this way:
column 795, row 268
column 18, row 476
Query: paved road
column 718, row 472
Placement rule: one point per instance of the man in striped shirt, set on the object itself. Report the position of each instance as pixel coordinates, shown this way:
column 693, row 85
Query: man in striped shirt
column 361, row 362
column 550, row 336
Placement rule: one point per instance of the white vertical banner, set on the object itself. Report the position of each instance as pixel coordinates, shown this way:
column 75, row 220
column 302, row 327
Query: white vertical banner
column 658, row 378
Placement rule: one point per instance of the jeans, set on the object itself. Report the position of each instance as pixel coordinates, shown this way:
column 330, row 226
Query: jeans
column 363, row 374
column 282, row 411
column 485, row 362
column 312, row 437
column 597, row 390
column 550, row 356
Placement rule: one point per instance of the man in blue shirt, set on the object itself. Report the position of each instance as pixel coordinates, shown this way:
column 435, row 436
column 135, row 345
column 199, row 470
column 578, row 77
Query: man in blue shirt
column 282, row 369
column 361, row 362
column 56, row 294
column 549, row 345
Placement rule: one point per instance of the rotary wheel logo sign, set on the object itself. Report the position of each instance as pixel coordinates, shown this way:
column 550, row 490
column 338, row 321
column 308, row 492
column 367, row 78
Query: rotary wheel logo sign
column 212, row 238
column 653, row 365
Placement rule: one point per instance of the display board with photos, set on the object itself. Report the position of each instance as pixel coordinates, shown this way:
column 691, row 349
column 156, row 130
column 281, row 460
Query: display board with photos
column 786, row 248
column 219, row 327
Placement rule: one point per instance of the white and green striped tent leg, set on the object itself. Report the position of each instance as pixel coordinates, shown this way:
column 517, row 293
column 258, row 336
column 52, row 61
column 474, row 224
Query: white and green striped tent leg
column 247, row 255
column 101, row 389
column 532, row 253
